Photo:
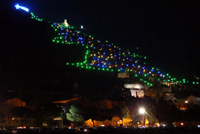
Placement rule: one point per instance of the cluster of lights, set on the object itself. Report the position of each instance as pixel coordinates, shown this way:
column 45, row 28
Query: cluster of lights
column 35, row 17
column 105, row 56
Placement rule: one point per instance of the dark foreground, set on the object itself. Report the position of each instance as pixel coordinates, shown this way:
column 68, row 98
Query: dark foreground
column 108, row 131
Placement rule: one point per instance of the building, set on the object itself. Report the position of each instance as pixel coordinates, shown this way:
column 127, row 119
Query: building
column 137, row 90
column 193, row 100
column 7, row 106
column 156, row 92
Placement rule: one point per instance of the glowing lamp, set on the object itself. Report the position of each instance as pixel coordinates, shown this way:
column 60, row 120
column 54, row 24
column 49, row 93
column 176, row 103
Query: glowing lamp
column 142, row 110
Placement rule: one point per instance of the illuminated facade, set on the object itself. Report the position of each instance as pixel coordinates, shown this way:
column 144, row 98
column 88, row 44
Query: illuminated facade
column 137, row 90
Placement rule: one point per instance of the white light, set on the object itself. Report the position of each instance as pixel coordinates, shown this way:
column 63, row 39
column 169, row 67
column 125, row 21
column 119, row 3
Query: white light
column 186, row 101
column 65, row 23
column 81, row 27
column 17, row 6
column 142, row 110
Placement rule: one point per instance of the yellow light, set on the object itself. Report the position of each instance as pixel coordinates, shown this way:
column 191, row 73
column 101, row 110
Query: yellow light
column 98, row 56
column 92, row 38
column 123, row 59
column 144, row 70
column 90, row 54
column 152, row 74
column 114, row 46
column 109, row 66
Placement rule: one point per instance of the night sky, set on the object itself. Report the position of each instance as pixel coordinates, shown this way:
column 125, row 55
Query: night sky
column 166, row 31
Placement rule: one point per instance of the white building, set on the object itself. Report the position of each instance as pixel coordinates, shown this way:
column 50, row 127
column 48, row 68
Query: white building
column 137, row 90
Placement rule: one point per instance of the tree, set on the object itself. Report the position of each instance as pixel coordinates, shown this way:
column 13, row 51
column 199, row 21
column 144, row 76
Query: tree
column 125, row 112
column 21, row 112
column 165, row 111
column 2, row 117
column 75, row 114
column 46, row 112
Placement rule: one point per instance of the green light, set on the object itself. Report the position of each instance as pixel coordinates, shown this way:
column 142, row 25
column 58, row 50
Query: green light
column 158, row 79
column 103, row 69
column 118, row 70
column 106, row 41
column 145, row 57
column 168, row 80
column 82, row 44
column 67, row 63
column 197, row 82
column 193, row 82
column 152, row 67
column 179, row 89
column 145, row 75
column 57, row 41
column 147, row 83
column 98, row 68
column 167, row 74
column 55, row 29
column 151, row 84
column 174, row 78
column 53, row 40
column 136, row 75
column 72, row 64
column 111, row 70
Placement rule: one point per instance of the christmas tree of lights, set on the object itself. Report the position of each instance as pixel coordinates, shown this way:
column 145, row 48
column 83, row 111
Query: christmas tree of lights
column 105, row 56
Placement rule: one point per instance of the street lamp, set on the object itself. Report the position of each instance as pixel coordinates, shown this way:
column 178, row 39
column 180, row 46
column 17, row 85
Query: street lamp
column 142, row 111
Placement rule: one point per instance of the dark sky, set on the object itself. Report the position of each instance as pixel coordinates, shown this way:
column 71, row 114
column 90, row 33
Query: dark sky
column 166, row 31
